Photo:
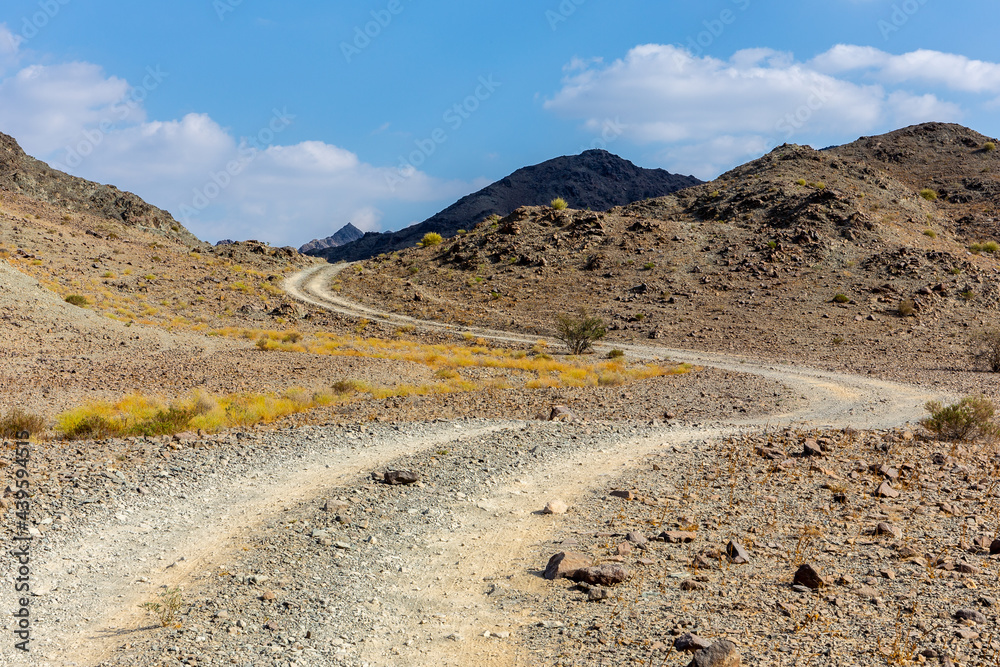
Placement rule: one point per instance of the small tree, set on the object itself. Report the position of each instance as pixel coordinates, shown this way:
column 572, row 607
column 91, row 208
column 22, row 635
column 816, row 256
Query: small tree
column 985, row 349
column 580, row 332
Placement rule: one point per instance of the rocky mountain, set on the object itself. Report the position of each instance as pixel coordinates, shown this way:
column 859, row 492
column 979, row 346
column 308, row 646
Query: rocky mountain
column 346, row 234
column 864, row 253
column 24, row 175
column 595, row 179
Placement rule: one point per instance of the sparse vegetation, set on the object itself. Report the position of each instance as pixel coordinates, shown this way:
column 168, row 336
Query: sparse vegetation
column 985, row 349
column 77, row 300
column 906, row 308
column 841, row 298
column 968, row 420
column 988, row 246
column 928, row 194
column 431, row 239
column 801, row 181
column 649, row 266
column 19, row 421
column 167, row 608
column 930, row 233
column 989, row 146
column 580, row 332
column 559, row 204
column 616, row 354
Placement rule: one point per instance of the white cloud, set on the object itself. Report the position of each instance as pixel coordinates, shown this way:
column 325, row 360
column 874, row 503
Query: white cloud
column 712, row 113
column 948, row 70
column 92, row 125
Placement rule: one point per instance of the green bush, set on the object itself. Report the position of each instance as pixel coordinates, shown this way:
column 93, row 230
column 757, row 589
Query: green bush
column 968, row 420
column 77, row 300
column 431, row 239
column 559, row 204
column 616, row 354
column 989, row 246
column 928, row 194
column 930, row 233
column 841, row 298
column 989, row 146
column 580, row 332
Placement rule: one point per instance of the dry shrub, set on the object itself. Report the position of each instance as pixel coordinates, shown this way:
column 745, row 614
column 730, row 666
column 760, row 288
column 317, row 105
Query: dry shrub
column 968, row 420
column 19, row 421
column 985, row 349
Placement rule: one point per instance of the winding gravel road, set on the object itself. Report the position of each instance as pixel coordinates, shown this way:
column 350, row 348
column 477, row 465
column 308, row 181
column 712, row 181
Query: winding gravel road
column 835, row 400
column 95, row 574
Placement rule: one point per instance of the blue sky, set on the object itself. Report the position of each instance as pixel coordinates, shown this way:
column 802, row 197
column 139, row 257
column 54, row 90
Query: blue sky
column 283, row 121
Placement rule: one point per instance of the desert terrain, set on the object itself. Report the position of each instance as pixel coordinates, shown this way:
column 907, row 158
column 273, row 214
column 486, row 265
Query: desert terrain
column 738, row 464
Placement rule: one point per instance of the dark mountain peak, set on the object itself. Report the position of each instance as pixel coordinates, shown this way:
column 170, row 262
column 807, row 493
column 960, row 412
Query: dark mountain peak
column 346, row 234
column 595, row 179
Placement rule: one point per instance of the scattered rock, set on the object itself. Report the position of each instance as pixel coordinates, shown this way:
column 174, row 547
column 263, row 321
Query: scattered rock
column 561, row 413
column 885, row 528
column 678, row 536
column 608, row 574
column 555, row 507
column 811, row 448
column 597, row 593
column 737, row 552
column 691, row 585
column 885, row 490
column 808, row 576
column 722, row 653
column 689, row 643
column 970, row 615
column 400, row 477
column 636, row 538
column 625, row 495
column 566, row 563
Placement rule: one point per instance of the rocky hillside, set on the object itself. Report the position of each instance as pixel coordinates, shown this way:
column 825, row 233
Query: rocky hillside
column 595, row 180
column 852, row 254
column 24, row 175
column 344, row 235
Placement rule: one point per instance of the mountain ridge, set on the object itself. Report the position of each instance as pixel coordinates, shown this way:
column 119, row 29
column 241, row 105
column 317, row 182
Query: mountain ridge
column 594, row 179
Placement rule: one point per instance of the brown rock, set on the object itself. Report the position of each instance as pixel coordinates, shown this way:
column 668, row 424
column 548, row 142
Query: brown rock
column 995, row 547
column 722, row 653
column 885, row 528
column 625, row 495
column 561, row 413
column 970, row 615
column 737, row 552
column 267, row 596
column 555, row 507
column 608, row 574
column 566, row 563
column 808, row 576
column 689, row 643
column 885, row 490
column 811, row 448
column 691, row 585
column 400, row 477
column 636, row 537
column 596, row 594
